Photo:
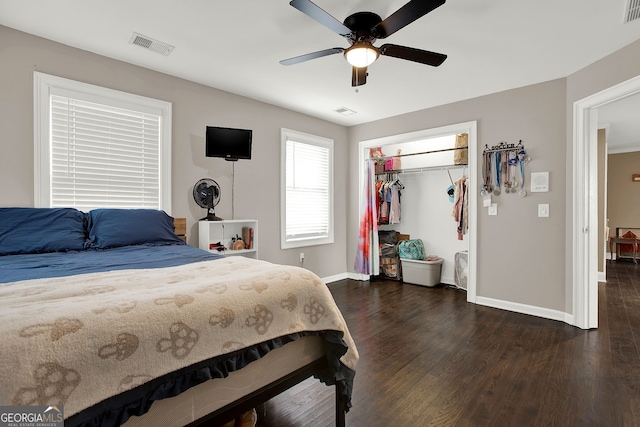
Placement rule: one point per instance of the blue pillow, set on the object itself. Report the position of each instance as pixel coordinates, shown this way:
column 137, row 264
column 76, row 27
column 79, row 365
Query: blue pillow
column 111, row 228
column 39, row 230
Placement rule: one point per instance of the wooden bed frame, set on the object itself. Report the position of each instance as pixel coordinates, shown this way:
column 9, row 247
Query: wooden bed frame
column 256, row 398
column 180, row 228
column 260, row 396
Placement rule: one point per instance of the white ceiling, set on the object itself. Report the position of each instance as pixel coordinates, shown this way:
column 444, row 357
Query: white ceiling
column 621, row 119
column 235, row 45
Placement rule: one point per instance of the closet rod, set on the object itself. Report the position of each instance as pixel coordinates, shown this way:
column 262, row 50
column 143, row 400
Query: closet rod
column 416, row 154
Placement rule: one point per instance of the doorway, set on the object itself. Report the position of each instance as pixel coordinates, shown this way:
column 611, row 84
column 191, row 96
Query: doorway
column 585, row 200
column 469, row 128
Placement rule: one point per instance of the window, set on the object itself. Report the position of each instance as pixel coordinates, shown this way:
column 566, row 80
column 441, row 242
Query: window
column 97, row 147
column 306, row 189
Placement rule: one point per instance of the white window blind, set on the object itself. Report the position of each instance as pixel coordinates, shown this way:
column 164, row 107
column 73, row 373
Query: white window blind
column 97, row 147
column 307, row 190
column 103, row 156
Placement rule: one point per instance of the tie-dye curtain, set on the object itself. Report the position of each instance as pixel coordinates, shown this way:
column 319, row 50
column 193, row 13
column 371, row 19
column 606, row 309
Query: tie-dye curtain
column 367, row 259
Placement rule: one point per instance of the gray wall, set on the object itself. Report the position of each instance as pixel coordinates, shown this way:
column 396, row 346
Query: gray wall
column 194, row 106
column 521, row 258
column 611, row 70
column 623, row 194
column 602, row 182
column 515, row 262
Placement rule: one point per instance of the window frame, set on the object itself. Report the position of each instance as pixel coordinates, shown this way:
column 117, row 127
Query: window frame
column 46, row 85
column 286, row 135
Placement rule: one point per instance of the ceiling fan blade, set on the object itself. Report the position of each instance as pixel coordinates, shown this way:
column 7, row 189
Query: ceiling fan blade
column 314, row 11
column 313, row 55
column 411, row 54
column 358, row 76
column 404, row 16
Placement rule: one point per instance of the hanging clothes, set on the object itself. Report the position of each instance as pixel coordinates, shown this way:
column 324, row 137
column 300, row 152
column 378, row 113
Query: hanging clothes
column 367, row 258
column 461, row 207
column 385, row 197
column 378, row 199
column 394, row 205
column 388, row 200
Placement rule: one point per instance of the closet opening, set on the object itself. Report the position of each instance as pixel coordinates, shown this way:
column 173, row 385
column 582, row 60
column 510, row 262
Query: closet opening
column 428, row 169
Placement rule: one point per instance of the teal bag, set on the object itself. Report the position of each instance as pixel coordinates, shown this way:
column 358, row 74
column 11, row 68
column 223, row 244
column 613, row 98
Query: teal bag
column 411, row 249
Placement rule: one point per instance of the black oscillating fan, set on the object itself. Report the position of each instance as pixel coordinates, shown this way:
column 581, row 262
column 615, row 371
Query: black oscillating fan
column 206, row 193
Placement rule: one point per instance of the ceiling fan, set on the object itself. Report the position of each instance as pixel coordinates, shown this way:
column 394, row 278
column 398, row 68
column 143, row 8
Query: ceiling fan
column 362, row 29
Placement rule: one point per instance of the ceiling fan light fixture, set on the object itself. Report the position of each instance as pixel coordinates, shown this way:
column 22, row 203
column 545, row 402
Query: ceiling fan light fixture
column 361, row 54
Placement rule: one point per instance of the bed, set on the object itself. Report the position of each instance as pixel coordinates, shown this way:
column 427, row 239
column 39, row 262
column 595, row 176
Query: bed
column 112, row 316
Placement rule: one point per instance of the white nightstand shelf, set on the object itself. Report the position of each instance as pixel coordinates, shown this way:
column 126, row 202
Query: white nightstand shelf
column 211, row 232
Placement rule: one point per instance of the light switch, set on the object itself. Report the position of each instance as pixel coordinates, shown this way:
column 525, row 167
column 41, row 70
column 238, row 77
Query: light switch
column 543, row 210
column 493, row 209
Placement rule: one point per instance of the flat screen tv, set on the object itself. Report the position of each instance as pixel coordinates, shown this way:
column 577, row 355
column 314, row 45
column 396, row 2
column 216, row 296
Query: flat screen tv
column 228, row 143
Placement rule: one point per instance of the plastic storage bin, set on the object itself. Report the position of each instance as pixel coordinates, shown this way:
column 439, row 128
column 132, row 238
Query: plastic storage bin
column 421, row 272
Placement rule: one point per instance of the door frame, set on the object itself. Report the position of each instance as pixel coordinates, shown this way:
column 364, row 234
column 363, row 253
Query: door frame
column 585, row 199
column 470, row 128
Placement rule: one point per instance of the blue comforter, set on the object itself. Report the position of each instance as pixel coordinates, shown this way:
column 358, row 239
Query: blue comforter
column 14, row 268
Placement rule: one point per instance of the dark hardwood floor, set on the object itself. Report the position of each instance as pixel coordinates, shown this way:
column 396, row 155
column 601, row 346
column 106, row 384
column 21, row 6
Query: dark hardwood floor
column 428, row 358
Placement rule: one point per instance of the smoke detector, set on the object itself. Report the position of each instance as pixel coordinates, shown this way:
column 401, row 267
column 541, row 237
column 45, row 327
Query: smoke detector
column 151, row 44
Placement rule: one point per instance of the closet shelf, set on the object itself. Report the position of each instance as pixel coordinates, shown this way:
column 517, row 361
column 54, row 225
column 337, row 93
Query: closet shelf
column 424, row 169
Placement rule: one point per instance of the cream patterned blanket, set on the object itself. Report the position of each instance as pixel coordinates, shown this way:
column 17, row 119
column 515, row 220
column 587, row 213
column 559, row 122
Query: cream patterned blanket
column 78, row 340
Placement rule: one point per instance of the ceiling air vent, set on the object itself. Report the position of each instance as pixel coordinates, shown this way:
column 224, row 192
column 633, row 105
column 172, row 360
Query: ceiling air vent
column 151, row 44
column 345, row 111
column 632, row 12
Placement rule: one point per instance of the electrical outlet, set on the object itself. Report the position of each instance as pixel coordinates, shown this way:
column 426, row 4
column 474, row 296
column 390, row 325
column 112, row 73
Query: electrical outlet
column 301, row 256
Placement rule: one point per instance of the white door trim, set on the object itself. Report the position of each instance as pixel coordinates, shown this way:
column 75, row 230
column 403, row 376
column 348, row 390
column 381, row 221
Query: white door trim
column 468, row 127
column 585, row 200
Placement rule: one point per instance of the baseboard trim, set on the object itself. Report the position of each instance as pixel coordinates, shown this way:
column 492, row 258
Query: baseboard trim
column 602, row 276
column 568, row 319
column 448, row 281
column 532, row 310
column 358, row 276
column 335, row 278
